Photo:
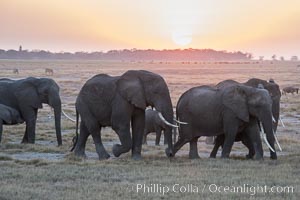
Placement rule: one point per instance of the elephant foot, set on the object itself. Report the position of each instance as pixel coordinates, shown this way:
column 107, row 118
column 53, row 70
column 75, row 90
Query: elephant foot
column 225, row 156
column 136, row 157
column 156, row 144
column 103, row 156
column 194, row 156
column 118, row 149
column 258, row 157
column 248, row 156
column 80, row 154
column 273, row 156
column 169, row 152
column 212, row 156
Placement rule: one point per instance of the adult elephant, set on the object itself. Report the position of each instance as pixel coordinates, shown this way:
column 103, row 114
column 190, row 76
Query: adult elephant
column 26, row 96
column 118, row 102
column 154, row 122
column 275, row 94
column 274, row 91
column 211, row 112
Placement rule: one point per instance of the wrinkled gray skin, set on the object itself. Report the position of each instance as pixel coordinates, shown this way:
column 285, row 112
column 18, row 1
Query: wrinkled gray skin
column 120, row 102
column 290, row 89
column 26, row 96
column 275, row 94
column 154, row 124
column 212, row 112
column 8, row 116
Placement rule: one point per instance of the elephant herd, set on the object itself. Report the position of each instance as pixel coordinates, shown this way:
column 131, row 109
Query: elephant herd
column 231, row 111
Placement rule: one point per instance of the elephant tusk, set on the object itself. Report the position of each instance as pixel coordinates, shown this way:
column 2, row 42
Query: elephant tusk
column 277, row 142
column 179, row 122
column 266, row 141
column 274, row 120
column 73, row 120
column 166, row 122
column 281, row 122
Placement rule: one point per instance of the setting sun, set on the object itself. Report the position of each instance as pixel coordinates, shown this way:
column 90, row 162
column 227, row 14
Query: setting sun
column 181, row 38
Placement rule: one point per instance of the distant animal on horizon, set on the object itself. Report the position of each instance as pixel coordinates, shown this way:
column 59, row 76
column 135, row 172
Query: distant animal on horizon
column 49, row 71
column 290, row 89
column 16, row 71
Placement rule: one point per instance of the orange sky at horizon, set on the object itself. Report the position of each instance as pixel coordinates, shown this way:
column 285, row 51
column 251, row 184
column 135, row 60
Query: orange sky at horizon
column 260, row 27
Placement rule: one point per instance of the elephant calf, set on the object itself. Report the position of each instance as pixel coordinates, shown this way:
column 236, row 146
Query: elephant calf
column 154, row 123
column 8, row 116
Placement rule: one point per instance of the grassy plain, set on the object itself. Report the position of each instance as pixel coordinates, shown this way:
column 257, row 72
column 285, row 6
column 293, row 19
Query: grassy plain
column 45, row 171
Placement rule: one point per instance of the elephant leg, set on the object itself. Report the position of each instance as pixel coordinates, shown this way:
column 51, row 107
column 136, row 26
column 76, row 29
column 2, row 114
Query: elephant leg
column 246, row 140
column 138, row 126
column 230, row 135
column 1, row 129
column 83, row 136
column 158, row 135
column 218, row 142
column 179, row 144
column 102, row 153
column 30, row 119
column 145, row 137
column 194, row 149
column 123, row 132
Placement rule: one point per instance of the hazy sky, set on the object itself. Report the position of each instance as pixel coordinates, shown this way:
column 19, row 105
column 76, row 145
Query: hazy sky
column 263, row 27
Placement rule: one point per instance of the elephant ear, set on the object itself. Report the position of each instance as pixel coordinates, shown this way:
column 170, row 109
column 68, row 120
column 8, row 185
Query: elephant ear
column 235, row 99
column 131, row 88
column 27, row 94
column 5, row 114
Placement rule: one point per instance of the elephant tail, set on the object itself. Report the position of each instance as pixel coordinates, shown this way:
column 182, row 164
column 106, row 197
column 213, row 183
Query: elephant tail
column 75, row 138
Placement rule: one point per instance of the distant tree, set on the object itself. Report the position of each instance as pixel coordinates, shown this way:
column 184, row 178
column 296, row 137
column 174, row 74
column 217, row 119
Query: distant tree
column 261, row 58
column 273, row 57
column 282, row 58
column 294, row 58
column 250, row 56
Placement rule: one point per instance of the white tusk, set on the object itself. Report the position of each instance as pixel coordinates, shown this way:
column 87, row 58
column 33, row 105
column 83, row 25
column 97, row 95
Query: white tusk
column 277, row 142
column 266, row 141
column 273, row 119
column 73, row 120
column 165, row 121
column 281, row 122
column 179, row 122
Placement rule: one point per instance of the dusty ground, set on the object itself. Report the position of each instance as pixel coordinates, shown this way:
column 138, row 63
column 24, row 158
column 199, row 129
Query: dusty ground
column 45, row 171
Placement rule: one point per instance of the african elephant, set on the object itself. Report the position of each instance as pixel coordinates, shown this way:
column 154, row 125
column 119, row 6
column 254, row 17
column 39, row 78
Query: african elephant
column 274, row 91
column 119, row 102
column 154, row 123
column 8, row 116
column 275, row 94
column 290, row 89
column 211, row 112
column 26, row 96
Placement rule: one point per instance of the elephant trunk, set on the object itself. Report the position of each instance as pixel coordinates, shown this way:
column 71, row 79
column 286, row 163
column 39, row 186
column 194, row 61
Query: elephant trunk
column 166, row 110
column 55, row 103
column 268, row 128
column 275, row 111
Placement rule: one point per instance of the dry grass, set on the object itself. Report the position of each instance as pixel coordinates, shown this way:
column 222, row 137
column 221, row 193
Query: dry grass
column 72, row 178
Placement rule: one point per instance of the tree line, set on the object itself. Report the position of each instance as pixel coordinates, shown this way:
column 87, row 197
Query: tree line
column 131, row 55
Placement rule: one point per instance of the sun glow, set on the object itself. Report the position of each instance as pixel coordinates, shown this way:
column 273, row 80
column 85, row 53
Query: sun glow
column 181, row 38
